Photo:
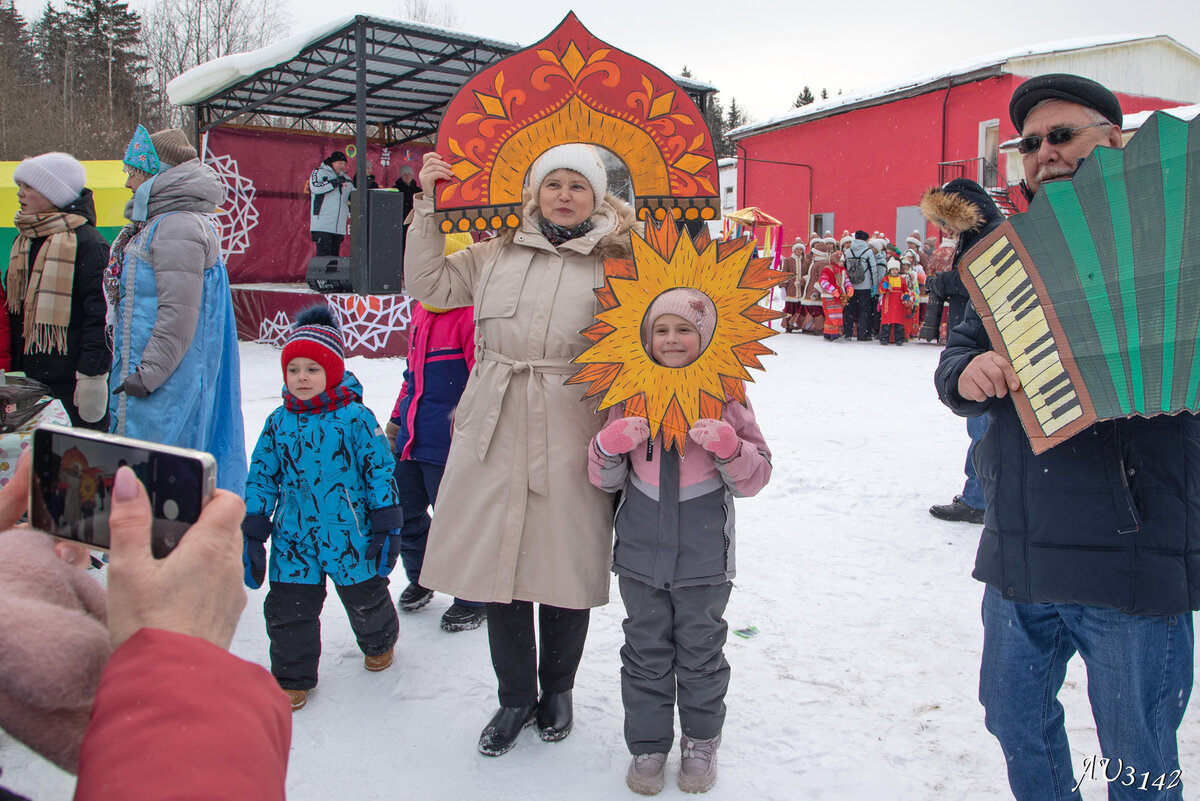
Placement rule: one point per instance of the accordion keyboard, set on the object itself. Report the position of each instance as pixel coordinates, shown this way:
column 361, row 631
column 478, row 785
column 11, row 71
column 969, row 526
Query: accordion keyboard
column 1027, row 337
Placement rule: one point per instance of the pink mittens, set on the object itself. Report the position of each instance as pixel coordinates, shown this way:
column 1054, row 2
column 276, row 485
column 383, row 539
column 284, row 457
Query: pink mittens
column 622, row 436
column 715, row 436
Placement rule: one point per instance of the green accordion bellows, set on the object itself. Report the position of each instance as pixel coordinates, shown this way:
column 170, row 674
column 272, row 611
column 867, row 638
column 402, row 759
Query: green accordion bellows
column 1094, row 293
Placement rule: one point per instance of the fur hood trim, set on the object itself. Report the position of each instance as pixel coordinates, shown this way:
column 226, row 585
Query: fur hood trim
column 614, row 215
column 952, row 213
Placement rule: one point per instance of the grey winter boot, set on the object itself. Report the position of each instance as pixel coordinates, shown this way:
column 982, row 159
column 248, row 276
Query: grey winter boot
column 698, row 768
column 645, row 774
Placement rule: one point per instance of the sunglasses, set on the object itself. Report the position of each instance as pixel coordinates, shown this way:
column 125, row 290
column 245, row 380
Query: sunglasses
column 1059, row 136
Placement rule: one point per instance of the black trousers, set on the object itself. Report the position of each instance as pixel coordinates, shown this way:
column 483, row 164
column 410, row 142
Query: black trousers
column 858, row 310
column 515, row 650
column 327, row 244
column 293, row 615
column 892, row 332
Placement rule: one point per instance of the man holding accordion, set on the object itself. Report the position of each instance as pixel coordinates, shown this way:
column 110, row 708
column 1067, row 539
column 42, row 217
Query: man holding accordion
column 1090, row 547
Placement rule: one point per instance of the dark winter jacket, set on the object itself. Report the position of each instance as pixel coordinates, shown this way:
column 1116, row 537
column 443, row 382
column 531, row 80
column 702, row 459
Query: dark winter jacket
column 1110, row 517
column 89, row 350
column 963, row 209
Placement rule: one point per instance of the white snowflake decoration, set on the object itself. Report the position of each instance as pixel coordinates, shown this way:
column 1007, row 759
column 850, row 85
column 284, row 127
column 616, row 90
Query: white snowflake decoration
column 366, row 322
column 238, row 214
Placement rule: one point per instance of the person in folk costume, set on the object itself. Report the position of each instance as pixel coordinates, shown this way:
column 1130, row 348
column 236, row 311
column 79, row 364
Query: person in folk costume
column 895, row 297
column 793, row 287
column 812, row 317
column 910, row 266
column 526, row 526
column 55, row 308
column 835, row 287
column 176, row 374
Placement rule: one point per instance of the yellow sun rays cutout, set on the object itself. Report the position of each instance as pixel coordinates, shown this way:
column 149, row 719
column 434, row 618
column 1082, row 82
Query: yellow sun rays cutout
column 672, row 398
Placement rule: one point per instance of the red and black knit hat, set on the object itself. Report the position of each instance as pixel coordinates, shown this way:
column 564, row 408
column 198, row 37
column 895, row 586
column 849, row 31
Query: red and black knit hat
column 316, row 336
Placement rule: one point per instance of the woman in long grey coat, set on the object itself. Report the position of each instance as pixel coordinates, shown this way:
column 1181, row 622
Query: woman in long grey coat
column 517, row 521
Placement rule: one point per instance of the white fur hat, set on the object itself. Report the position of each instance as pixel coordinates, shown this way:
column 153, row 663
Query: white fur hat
column 57, row 176
column 580, row 158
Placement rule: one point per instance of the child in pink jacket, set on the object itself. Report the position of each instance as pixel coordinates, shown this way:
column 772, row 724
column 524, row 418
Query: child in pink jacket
column 674, row 556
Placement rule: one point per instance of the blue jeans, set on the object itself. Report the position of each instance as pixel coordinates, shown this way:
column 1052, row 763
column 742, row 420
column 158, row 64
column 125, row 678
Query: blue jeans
column 1139, row 680
column 972, row 493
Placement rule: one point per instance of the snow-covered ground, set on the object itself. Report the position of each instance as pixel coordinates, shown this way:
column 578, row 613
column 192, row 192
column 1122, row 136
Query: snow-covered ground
column 861, row 683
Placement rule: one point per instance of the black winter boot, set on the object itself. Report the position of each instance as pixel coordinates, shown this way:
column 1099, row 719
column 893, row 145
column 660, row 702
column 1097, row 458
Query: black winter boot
column 555, row 716
column 500, row 735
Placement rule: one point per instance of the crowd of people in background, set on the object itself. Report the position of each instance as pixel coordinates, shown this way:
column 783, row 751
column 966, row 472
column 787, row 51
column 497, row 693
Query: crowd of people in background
column 863, row 287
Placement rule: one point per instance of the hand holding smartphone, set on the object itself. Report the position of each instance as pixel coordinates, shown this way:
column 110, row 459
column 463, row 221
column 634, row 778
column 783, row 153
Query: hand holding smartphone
column 70, row 493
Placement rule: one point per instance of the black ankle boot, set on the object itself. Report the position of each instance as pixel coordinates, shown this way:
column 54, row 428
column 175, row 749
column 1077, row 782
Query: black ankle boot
column 554, row 716
column 500, row 735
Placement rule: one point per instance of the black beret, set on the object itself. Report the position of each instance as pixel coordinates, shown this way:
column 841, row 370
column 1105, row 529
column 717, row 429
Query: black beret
column 1059, row 86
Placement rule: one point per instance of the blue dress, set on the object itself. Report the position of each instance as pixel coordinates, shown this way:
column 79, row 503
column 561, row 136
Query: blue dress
column 200, row 405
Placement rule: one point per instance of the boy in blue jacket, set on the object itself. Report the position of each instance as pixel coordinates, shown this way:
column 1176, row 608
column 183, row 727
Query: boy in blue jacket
column 321, row 488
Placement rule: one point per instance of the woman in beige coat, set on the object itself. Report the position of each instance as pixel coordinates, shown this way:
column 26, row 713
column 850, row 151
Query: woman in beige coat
column 517, row 521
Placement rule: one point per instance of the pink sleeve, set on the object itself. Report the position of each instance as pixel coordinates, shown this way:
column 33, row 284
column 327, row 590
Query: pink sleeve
column 750, row 468
column 176, row 717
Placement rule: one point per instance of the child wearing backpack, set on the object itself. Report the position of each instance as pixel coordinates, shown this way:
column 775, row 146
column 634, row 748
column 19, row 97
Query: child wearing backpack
column 321, row 489
column 674, row 556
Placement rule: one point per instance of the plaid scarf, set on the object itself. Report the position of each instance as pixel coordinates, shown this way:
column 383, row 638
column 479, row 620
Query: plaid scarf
column 327, row 401
column 42, row 294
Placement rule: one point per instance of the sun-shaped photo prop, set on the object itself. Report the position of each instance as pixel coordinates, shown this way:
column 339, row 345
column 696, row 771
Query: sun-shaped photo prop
column 618, row 367
column 572, row 87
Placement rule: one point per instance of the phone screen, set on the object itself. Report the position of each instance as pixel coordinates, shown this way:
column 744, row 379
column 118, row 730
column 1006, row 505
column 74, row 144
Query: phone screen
column 73, row 480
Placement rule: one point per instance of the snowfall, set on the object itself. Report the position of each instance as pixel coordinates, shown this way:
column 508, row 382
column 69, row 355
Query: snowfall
column 860, row 683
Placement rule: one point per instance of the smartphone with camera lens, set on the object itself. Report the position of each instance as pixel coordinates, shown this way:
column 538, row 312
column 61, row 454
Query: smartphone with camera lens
column 70, row 492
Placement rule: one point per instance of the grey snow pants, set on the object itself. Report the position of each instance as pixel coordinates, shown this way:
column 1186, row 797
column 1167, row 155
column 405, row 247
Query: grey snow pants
column 674, row 641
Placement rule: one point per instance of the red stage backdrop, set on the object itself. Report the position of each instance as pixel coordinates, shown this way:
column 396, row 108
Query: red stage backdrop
column 264, row 220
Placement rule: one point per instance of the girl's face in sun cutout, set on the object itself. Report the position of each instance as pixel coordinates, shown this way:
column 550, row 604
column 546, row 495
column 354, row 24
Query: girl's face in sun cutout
column 674, row 342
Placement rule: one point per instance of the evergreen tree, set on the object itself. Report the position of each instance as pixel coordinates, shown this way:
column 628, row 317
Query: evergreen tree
column 804, row 98
column 110, row 66
column 824, row 93
column 20, row 84
column 714, row 115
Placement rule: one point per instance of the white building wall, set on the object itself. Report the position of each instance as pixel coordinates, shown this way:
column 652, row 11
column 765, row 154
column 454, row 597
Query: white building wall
column 1158, row 67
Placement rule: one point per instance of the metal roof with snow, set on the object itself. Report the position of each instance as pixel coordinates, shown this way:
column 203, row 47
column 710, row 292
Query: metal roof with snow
column 395, row 74
column 962, row 72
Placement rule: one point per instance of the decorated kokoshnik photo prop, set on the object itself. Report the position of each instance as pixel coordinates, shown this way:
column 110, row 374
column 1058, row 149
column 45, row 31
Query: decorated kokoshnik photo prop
column 572, row 87
column 618, row 367
column 1094, row 293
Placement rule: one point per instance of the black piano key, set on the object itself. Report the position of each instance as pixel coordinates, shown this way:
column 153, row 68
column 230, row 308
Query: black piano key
column 1066, row 407
column 1037, row 343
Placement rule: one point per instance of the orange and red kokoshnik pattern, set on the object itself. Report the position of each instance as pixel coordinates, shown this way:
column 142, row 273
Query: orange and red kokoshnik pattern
column 572, row 87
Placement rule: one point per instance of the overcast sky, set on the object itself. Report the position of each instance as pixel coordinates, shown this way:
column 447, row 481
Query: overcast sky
column 764, row 56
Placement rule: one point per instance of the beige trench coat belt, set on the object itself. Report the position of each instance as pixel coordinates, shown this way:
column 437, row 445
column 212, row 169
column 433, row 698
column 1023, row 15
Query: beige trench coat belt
column 539, row 443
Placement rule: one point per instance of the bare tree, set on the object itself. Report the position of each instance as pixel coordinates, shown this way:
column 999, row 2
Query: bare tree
column 179, row 34
column 441, row 14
